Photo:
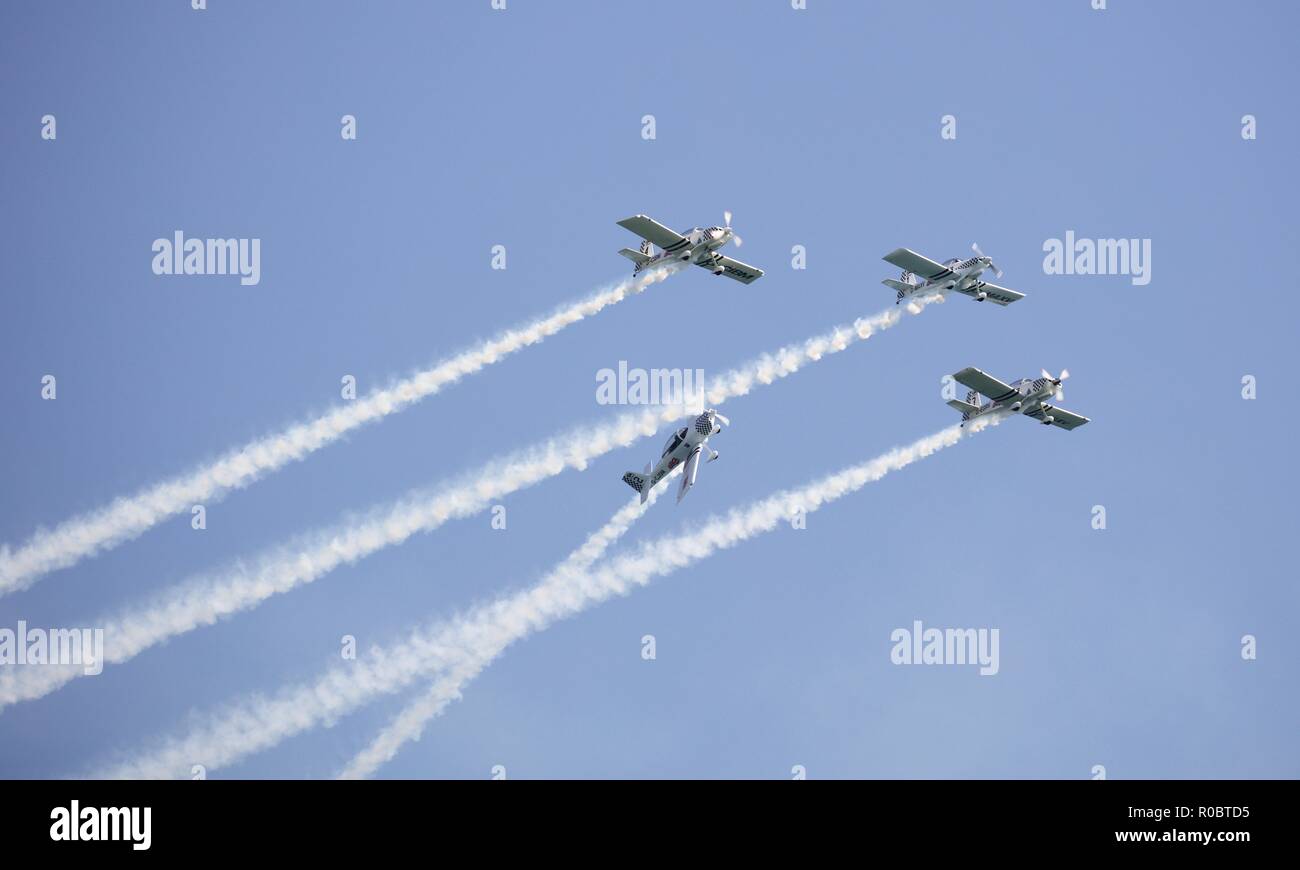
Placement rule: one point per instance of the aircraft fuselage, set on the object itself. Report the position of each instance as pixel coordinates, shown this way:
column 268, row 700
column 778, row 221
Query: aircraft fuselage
column 1029, row 395
column 961, row 276
column 701, row 244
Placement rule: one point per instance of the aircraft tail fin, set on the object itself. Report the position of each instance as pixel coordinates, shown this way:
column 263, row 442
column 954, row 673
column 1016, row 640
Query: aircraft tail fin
column 638, row 257
column 635, row 256
column 902, row 288
column 968, row 407
column 639, row 482
column 965, row 408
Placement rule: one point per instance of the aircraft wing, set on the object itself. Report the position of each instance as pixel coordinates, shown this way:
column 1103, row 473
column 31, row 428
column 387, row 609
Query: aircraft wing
column 985, row 385
column 741, row 272
column 1061, row 417
column 688, row 476
column 1000, row 295
column 911, row 261
column 653, row 232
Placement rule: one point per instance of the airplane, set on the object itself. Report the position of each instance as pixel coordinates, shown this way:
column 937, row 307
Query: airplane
column 923, row 275
column 698, row 246
column 685, row 445
column 1027, row 396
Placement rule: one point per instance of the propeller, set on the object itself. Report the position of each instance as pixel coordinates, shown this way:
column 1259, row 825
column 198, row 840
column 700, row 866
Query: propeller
column 1060, row 393
column 726, row 223
column 992, row 265
column 721, row 419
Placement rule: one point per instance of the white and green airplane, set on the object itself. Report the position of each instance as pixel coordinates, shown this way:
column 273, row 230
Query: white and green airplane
column 698, row 246
column 922, row 275
column 1026, row 396
column 685, row 446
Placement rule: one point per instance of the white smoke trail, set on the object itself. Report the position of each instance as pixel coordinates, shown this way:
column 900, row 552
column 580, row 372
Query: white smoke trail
column 411, row 721
column 125, row 518
column 462, row 647
column 204, row 600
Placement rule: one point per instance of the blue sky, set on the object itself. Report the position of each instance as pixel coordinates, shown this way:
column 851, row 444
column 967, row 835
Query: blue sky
column 821, row 128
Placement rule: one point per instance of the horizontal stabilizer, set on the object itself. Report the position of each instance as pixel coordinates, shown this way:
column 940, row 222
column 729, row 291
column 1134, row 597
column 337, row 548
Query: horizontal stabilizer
column 963, row 407
column 898, row 285
column 635, row 256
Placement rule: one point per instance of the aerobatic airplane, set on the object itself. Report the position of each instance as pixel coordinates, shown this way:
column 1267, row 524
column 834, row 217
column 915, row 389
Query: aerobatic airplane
column 1026, row 396
column 923, row 275
column 698, row 246
column 685, row 445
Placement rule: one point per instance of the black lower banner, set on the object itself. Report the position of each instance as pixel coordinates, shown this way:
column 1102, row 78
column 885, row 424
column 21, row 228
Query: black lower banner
column 302, row 818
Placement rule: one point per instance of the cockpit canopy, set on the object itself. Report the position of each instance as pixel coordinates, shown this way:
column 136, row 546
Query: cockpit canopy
column 678, row 437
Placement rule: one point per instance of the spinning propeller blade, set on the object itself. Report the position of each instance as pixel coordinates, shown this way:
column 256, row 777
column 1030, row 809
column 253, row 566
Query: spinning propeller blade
column 726, row 218
column 992, row 265
column 1059, row 395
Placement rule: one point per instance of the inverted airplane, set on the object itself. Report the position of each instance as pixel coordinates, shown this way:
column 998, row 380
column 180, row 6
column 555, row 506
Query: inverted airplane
column 922, row 275
column 1026, row 396
column 698, row 246
column 685, row 445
